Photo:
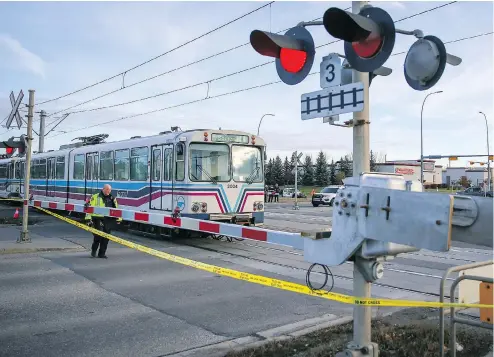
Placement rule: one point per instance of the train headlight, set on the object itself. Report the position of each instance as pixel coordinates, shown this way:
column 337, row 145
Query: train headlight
column 195, row 207
column 204, row 207
column 260, row 206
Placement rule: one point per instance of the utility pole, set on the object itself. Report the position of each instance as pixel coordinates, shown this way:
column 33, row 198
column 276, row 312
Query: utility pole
column 42, row 117
column 24, row 237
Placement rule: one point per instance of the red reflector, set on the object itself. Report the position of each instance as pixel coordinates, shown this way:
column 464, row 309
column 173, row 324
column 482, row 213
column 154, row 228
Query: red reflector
column 89, row 209
column 116, row 213
column 209, row 227
column 37, row 203
column 367, row 49
column 69, row 207
column 172, row 222
column 138, row 216
column 52, row 205
column 253, row 234
column 292, row 60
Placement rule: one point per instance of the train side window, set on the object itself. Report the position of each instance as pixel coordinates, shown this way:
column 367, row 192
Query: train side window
column 180, row 162
column 156, row 164
column 42, row 169
column 139, row 164
column 3, row 171
column 106, row 165
column 34, row 172
column 122, row 165
column 79, row 162
column 167, row 174
column 60, row 168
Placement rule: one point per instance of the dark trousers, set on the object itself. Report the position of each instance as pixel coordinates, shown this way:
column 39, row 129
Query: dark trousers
column 105, row 226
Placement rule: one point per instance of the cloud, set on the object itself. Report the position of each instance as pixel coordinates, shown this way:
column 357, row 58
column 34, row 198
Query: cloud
column 20, row 56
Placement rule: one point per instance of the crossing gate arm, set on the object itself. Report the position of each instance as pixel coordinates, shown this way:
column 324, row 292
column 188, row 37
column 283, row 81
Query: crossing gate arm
column 293, row 240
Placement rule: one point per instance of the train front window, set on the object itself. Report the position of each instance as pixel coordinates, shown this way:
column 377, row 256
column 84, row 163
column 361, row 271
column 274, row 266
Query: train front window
column 247, row 164
column 209, row 162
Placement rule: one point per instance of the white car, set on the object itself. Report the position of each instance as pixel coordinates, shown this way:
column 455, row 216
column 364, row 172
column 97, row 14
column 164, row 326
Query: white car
column 326, row 196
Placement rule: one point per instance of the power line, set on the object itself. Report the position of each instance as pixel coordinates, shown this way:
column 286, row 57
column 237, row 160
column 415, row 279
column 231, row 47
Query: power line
column 162, row 74
column 211, row 80
column 230, row 93
column 161, row 55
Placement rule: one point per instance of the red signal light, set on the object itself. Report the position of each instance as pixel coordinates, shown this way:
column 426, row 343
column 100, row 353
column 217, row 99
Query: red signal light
column 292, row 60
column 368, row 48
column 9, row 151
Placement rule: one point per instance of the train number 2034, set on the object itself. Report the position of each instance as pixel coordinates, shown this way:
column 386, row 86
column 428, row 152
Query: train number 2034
column 232, row 185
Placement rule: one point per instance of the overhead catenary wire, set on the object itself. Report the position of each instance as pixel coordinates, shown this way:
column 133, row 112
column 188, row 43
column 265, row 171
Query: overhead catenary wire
column 160, row 55
column 201, row 83
column 162, row 74
column 230, row 93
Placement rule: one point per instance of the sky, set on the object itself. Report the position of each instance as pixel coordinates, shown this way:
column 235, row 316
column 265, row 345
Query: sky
column 58, row 47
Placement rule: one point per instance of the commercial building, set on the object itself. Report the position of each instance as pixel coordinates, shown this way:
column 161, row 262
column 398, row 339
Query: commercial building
column 410, row 169
column 476, row 176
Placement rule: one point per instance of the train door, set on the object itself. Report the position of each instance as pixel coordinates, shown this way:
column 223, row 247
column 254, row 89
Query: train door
column 92, row 165
column 161, row 192
column 50, row 177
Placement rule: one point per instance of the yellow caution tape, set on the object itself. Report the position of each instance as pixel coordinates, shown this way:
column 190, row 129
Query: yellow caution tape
column 262, row 280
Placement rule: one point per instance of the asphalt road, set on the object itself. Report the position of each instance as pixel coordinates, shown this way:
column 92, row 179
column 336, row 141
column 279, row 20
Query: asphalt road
column 133, row 304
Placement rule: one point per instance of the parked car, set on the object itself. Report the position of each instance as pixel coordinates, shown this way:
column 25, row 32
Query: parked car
column 326, row 196
column 474, row 191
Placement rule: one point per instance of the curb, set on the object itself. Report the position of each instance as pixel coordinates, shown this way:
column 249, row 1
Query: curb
column 5, row 251
column 281, row 333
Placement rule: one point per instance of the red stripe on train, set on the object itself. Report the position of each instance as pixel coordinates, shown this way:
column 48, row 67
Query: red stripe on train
column 140, row 216
column 209, row 227
column 254, row 234
column 176, row 222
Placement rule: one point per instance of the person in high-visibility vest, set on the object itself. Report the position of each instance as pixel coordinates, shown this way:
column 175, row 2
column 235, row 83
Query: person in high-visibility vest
column 99, row 222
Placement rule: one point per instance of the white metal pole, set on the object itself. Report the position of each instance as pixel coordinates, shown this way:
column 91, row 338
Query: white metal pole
column 24, row 237
column 361, row 163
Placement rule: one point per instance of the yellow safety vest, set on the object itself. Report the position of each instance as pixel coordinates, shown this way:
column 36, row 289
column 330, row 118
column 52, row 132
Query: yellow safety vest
column 96, row 201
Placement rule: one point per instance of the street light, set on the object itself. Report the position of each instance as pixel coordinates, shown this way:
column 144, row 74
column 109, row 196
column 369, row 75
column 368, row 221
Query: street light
column 422, row 138
column 260, row 121
column 488, row 155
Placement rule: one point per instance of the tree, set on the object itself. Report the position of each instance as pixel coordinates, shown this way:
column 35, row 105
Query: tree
column 287, row 172
column 345, row 166
column 373, row 162
column 321, row 173
column 332, row 173
column 278, row 177
column 268, row 176
column 308, row 179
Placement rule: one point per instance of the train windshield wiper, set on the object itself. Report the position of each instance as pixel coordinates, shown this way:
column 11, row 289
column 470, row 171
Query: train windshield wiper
column 252, row 176
column 213, row 179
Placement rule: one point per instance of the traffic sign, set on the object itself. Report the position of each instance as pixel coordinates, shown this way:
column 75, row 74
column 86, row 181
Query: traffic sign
column 15, row 110
column 332, row 101
column 330, row 71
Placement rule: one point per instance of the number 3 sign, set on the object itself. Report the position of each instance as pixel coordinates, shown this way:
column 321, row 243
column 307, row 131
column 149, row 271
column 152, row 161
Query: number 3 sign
column 330, row 71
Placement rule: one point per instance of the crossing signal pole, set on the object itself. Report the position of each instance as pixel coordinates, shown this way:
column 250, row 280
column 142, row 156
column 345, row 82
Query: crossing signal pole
column 369, row 37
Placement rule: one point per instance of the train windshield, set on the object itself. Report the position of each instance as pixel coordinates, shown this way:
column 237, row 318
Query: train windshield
column 209, row 162
column 247, row 164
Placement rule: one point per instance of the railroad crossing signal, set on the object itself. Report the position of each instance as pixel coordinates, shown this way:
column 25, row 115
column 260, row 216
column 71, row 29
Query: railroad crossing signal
column 294, row 52
column 14, row 143
column 425, row 62
column 369, row 36
column 15, row 110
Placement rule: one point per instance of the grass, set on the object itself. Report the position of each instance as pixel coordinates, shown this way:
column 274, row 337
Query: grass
column 411, row 339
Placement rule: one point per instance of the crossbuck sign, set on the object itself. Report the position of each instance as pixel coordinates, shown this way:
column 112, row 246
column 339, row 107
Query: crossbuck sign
column 335, row 98
column 15, row 110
